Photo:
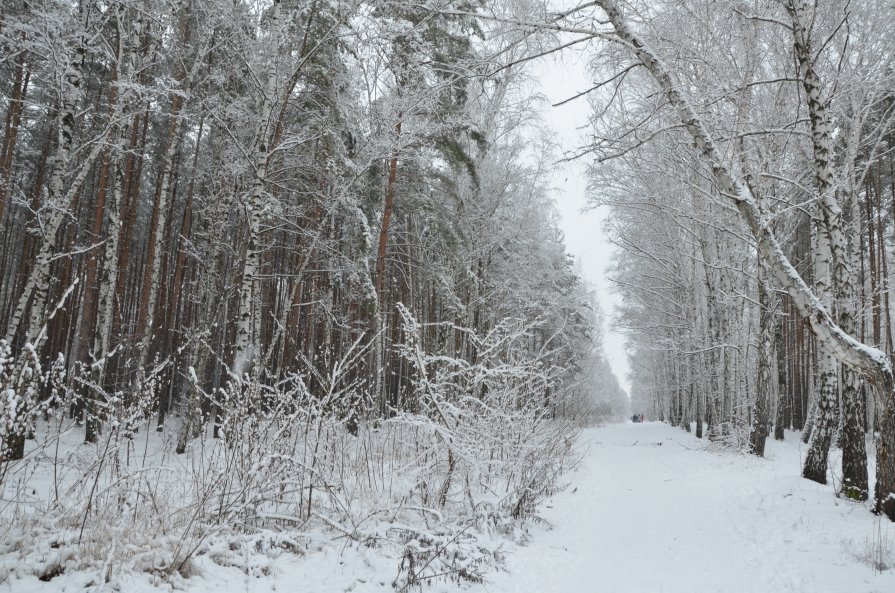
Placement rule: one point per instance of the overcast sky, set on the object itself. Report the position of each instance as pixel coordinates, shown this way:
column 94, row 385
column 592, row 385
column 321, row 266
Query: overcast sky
column 559, row 80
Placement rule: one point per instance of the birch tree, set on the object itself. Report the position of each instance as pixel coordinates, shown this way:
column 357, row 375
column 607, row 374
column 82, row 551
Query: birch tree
column 57, row 197
column 870, row 362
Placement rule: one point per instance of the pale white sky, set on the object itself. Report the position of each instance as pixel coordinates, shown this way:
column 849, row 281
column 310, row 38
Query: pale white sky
column 561, row 77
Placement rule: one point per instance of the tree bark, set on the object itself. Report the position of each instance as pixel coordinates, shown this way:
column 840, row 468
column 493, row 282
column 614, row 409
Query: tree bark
column 153, row 267
column 245, row 346
column 13, row 120
column 37, row 286
column 760, row 418
column 826, row 395
column 780, row 416
column 854, row 455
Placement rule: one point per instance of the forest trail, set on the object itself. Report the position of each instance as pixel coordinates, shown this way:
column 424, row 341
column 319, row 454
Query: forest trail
column 649, row 511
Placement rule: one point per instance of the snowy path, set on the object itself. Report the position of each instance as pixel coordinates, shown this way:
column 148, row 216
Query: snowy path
column 645, row 517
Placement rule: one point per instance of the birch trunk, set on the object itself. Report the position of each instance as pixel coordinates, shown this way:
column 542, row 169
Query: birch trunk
column 56, row 199
column 760, row 418
column 244, row 350
column 827, row 388
column 110, row 164
column 104, row 309
column 853, row 453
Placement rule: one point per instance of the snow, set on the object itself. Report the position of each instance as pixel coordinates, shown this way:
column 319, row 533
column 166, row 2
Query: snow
column 649, row 509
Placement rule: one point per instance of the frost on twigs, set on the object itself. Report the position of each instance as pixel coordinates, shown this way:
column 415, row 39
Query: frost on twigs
column 876, row 551
column 435, row 489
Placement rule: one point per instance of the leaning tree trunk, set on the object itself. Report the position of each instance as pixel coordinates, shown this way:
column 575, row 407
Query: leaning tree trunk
column 868, row 361
column 57, row 202
column 37, row 286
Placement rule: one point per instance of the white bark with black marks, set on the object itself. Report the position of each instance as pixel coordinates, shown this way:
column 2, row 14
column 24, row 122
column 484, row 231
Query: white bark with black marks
column 56, row 198
column 254, row 205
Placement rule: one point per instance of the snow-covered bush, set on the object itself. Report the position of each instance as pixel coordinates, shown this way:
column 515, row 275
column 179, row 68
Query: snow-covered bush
column 474, row 455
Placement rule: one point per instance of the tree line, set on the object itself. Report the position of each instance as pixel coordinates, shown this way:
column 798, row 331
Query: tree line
column 197, row 195
column 745, row 154
column 287, row 266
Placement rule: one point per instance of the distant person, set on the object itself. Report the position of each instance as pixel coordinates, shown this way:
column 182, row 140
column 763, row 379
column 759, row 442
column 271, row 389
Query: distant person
column 641, row 417
column 635, row 418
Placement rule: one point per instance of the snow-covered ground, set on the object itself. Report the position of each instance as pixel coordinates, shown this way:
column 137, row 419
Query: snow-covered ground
column 647, row 510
